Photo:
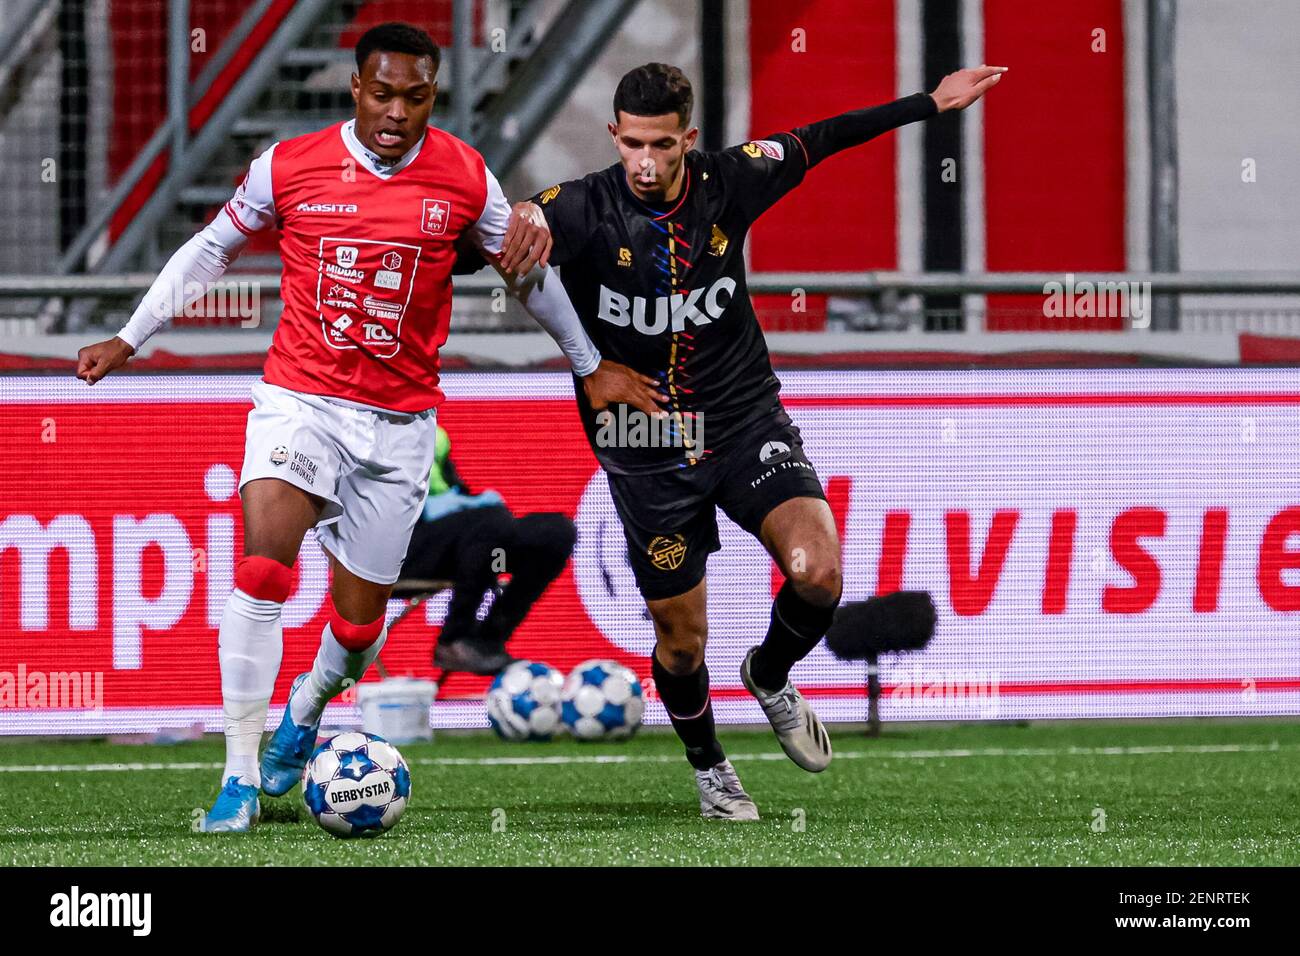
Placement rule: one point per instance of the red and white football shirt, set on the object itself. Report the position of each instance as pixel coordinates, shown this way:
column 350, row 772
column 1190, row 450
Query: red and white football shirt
column 367, row 258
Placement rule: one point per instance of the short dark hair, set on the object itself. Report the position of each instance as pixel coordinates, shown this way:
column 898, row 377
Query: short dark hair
column 653, row 90
column 397, row 38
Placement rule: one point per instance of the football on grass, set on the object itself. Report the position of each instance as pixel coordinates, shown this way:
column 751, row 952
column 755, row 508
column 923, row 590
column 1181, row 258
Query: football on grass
column 602, row 700
column 523, row 702
column 356, row 785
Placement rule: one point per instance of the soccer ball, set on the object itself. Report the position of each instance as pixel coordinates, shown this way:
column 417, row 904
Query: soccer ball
column 602, row 700
column 523, row 702
column 356, row 785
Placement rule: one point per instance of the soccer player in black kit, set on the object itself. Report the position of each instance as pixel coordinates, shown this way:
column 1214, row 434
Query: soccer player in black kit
column 651, row 253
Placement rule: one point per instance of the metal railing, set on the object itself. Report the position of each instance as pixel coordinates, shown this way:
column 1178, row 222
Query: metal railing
column 778, row 283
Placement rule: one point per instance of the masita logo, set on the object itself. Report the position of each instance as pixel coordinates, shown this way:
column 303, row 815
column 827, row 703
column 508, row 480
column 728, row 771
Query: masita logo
column 343, row 207
column 75, row 908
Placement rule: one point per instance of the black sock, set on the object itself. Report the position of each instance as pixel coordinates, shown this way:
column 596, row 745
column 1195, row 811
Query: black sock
column 688, row 695
column 796, row 628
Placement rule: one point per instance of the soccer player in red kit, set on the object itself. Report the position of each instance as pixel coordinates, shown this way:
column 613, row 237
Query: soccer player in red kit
column 342, row 433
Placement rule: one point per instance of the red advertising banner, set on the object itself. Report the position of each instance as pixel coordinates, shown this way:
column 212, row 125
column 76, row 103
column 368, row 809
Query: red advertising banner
column 1098, row 543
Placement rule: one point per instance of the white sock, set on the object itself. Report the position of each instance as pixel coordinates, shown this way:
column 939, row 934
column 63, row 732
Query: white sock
column 250, row 647
column 334, row 669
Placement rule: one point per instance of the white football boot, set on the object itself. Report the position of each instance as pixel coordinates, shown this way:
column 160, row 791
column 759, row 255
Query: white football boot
column 721, row 795
column 802, row 736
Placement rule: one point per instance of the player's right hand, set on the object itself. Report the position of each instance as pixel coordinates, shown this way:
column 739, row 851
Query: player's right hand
column 96, row 361
column 613, row 383
column 956, row 91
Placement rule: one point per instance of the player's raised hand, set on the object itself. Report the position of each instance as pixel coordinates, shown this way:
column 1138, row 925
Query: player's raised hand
column 528, row 239
column 612, row 383
column 96, row 361
column 956, row 91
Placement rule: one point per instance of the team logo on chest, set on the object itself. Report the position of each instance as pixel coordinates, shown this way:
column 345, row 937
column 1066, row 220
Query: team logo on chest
column 433, row 218
column 717, row 242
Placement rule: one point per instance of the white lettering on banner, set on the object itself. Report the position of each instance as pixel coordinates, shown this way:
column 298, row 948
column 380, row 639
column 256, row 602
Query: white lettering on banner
column 220, row 565
column 313, row 581
column 132, row 611
column 72, row 534
column 1001, row 529
column 1079, row 540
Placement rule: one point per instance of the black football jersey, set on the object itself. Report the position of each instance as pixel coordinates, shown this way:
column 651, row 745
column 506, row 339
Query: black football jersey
column 662, row 288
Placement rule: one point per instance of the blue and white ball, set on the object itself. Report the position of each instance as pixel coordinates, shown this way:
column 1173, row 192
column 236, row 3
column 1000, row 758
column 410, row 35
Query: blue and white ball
column 356, row 785
column 602, row 700
column 523, row 702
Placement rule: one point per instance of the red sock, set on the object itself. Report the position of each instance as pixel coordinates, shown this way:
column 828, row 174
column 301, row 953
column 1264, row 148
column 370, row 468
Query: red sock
column 263, row 578
column 354, row 637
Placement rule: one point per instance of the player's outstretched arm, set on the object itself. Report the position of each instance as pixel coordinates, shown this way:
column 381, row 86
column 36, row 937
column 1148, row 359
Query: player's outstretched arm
column 185, row 278
column 767, row 169
column 956, row 91
column 189, row 272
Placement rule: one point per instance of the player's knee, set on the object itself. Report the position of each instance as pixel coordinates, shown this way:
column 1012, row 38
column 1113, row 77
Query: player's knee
column 681, row 659
column 820, row 582
column 263, row 579
column 680, row 646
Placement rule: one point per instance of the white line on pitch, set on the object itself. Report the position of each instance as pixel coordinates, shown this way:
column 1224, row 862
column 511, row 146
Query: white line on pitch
column 566, row 759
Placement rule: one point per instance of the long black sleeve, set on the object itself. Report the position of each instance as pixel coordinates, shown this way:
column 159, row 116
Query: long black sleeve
column 829, row 136
column 764, row 170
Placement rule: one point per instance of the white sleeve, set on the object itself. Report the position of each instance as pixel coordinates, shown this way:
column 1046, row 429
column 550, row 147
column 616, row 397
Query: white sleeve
column 540, row 291
column 206, row 256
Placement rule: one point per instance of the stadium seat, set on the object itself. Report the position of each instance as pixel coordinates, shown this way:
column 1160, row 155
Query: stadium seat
column 415, row 591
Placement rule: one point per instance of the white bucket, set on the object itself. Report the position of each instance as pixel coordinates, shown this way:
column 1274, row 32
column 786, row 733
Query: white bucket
column 397, row 709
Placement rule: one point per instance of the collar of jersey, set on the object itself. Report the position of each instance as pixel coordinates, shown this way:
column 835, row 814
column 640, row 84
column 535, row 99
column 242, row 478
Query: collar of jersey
column 371, row 160
column 654, row 213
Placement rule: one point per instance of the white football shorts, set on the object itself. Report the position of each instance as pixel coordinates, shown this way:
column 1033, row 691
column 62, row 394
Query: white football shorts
column 370, row 466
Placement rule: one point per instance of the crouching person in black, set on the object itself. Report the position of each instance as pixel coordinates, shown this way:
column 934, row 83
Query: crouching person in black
column 471, row 540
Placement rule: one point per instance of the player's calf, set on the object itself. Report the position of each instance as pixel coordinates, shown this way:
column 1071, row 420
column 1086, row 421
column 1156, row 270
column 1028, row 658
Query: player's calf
column 797, row 626
column 346, row 652
column 249, row 649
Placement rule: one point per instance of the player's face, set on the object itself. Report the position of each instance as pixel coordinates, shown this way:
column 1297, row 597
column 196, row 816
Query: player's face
column 653, row 150
column 394, row 94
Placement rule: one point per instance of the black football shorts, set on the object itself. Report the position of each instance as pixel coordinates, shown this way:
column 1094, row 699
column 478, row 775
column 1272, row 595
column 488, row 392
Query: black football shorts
column 670, row 517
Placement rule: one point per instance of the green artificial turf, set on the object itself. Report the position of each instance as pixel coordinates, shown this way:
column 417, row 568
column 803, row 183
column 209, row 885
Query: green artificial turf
column 1212, row 792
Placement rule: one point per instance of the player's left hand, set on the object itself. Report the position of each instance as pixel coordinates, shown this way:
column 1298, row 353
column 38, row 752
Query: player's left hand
column 528, row 239
column 956, row 91
column 613, row 383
